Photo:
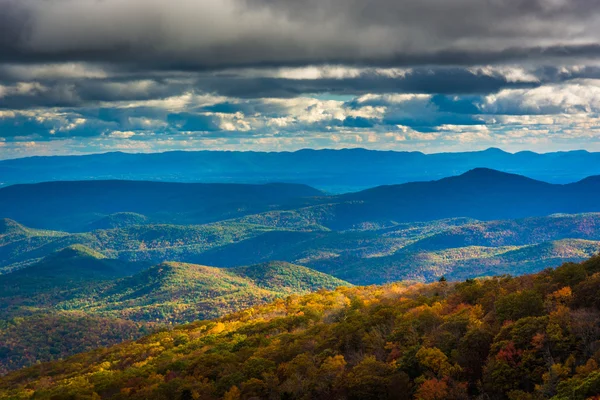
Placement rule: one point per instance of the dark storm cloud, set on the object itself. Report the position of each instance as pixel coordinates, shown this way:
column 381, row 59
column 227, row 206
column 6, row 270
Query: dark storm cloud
column 423, row 80
column 182, row 34
column 292, row 73
column 84, row 91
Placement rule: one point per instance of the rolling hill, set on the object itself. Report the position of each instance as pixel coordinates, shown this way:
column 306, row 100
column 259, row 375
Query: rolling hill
column 78, row 278
column 481, row 194
column 531, row 337
column 83, row 300
column 179, row 292
column 461, row 263
column 65, row 269
column 73, row 206
column 421, row 251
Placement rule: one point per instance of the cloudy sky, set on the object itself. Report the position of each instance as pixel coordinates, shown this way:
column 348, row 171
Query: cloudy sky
column 81, row 76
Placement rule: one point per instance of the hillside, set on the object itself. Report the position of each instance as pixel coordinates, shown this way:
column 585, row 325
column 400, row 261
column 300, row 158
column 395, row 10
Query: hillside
column 63, row 270
column 462, row 262
column 81, row 302
column 74, row 206
column 372, row 254
column 179, row 292
column 78, row 278
column 154, row 243
column 531, row 337
column 16, row 239
column 514, row 232
column 41, row 337
column 333, row 170
column 118, row 220
column 481, row 194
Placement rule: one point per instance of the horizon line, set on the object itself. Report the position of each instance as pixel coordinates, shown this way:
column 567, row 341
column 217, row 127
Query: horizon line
column 488, row 149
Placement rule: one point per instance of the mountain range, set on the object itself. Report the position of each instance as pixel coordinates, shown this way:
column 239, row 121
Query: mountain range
column 94, row 263
column 530, row 337
column 82, row 300
column 485, row 220
column 332, row 170
column 78, row 278
column 480, row 193
column 73, row 205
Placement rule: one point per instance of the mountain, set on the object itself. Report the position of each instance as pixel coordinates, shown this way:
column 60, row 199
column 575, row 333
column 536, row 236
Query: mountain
column 79, row 278
column 366, row 237
column 81, row 300
column 332, row 170
column 373, row 254
column 180, row 292
column 117, row 220
column 152, row 243
column 63, row 270
column 480, row 193
column 76, row 205
column 517, row 232
column 531, row 337
column 11, row 231
column 283, row 277
column 460, row 263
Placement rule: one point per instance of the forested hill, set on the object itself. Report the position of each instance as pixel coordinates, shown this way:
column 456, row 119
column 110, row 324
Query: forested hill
column 76, row 300
column 531, row 337
column 481, row 193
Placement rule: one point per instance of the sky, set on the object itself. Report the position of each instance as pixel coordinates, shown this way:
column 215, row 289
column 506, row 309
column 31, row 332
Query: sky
column 85, row 76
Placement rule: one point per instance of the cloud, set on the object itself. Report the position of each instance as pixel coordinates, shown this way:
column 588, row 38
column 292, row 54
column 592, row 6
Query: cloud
column 188, row 34
column 577, row 97
column 148, row 75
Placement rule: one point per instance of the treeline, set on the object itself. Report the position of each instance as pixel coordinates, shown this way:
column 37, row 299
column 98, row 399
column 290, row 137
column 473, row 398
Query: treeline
column 527, row 338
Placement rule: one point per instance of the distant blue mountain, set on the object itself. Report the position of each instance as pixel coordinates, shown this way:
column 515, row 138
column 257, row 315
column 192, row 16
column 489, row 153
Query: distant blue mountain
column 481, row 193
column 72, row 205
column 337, row 171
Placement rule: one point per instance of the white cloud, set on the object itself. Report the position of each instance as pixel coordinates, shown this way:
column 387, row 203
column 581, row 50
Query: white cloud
column 179, row 103
column 510, row 73
column 571, row 98
column 393, row 98
column 122, row 135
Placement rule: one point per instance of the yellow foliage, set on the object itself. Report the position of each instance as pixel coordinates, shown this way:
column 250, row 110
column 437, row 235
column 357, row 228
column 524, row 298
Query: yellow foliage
column 435, row 360
column 218, row 328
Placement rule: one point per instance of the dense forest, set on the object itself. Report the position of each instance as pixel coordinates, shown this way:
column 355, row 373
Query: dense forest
column 519, row 338
column 80, row 300
column 138, row 267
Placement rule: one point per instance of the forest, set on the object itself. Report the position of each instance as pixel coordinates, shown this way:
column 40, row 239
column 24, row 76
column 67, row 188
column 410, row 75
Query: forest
column 173, row 291
column 531, row 337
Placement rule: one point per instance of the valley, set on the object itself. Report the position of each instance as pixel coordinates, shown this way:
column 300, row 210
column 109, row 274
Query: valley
column 113, row 262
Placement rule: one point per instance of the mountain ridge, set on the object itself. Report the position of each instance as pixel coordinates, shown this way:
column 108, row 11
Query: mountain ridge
column 74, row 205
column 337, row 171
